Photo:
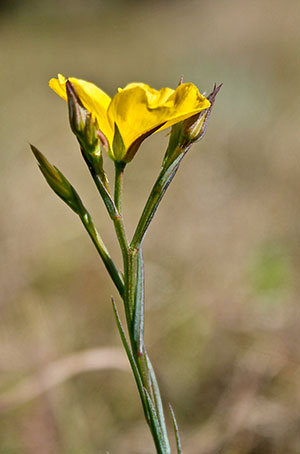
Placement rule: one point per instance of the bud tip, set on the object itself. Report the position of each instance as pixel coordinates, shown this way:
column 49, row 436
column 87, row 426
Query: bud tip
column 212, row 96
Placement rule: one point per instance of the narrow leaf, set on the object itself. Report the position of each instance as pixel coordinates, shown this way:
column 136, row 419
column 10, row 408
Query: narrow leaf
column 138, row 324
column 176, row 431
column 161, row 185
column 131, row 361
column 155, row 427
column 158, row 402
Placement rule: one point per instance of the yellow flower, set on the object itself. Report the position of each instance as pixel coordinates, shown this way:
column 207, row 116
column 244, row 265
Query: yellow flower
column 134, row 112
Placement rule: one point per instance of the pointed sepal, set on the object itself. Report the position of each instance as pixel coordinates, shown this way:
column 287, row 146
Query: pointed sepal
column 118, row 146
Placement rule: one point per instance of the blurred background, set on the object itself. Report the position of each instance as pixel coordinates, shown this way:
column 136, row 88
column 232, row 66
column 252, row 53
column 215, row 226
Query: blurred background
column 222, row 256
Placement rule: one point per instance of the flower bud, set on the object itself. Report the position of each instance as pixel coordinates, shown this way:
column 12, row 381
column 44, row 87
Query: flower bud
column 189, row 131
column 86, row 129
column 194, row 128
column 84, row 126
column 58, row 182
column 77, row 112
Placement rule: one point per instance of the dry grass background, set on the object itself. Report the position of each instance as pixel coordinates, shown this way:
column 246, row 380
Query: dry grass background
column 222, row 256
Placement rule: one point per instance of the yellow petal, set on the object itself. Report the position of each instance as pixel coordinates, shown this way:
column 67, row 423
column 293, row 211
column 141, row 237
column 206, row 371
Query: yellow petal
column 155, row 97
column 59, row 86
column 93, row 98
column 187, row 101
column 139, row 108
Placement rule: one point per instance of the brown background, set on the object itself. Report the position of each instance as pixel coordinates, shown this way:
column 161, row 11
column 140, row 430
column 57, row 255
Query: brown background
column 222, row 255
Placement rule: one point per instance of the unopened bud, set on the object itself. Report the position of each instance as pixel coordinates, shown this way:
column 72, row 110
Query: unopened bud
column 57, row 181
column 84, row 126
column 77, row 112
column 90, row 134
column 86, row 129
column 194, row 128
column 189, row 131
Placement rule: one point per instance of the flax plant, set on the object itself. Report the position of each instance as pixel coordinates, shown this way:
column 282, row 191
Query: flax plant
column 117, row 127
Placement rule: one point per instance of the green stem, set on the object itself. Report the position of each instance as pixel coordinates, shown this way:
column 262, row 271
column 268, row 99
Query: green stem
column 134, row 301
column 118, row 199
column 103, row 252
column 118, row 193
column 133, row 298
column 120, row 228
column 105, row 194
column 118, row 202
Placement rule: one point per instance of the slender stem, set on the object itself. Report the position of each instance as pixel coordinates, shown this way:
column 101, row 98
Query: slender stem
column 103, row 252
column 122, row 238
column 105, row 194
column 133, row 298
column 130, row 282
column 118, row 193
column 118, row 220
column 134, row 302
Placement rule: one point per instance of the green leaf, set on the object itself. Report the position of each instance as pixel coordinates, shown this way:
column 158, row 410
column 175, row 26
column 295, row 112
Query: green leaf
column 138, row 315
column 155, row 427
column 131, row 359
column 176, row 431
column 158, row 402
column 160, row 186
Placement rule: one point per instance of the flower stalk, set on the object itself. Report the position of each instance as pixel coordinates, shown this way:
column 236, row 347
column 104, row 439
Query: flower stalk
column 118, row 126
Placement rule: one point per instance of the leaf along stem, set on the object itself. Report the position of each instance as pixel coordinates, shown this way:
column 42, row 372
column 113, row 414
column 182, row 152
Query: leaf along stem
column 160, row 186
column 131, row 359
column 176, row 431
